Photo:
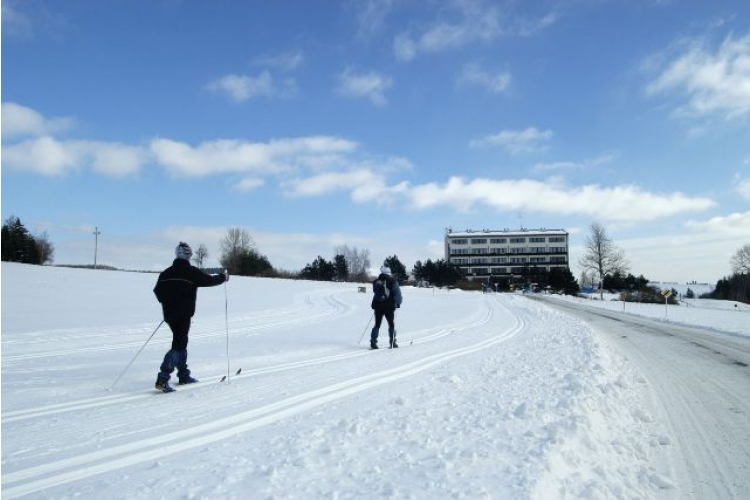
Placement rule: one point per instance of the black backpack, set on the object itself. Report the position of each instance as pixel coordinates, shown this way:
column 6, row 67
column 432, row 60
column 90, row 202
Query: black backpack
column 381, row 289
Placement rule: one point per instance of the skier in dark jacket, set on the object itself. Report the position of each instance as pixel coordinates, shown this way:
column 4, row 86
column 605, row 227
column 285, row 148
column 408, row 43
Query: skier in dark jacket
column 177, row 289
column 386, row 299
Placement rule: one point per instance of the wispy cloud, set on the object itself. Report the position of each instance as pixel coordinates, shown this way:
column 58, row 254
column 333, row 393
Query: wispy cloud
column 471, row 21
column 371, row 15
column 529, row 140
column 370, row 85
column 365, row 180
column 14, row 22
column 709, row 82
column 241, row 88
column 473, row 75
column 605, row 203
column 288, row 61
column 602, row 159
column 249, row 184
column 465, row 22
column 233, row 156
column 363, row 184
column 735, row 224
column 48, row 156
column 20, row 121
column 742, row 185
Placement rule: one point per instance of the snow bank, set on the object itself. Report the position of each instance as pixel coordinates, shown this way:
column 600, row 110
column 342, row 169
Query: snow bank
column 717, row 315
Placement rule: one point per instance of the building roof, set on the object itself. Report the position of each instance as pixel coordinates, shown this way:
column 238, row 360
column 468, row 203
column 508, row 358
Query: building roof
column 489, row 233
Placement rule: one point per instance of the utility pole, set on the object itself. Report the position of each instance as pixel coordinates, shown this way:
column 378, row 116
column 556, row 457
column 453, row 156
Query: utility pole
column 96, row 243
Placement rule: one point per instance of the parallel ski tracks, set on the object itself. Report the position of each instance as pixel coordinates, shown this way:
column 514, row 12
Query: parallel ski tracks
column 334, row 307
column 83, row 404
column 74, row 468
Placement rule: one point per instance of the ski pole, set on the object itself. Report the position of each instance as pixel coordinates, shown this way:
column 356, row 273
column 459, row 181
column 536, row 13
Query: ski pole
column 136, row 355
column 226, row 323
column 365, row 330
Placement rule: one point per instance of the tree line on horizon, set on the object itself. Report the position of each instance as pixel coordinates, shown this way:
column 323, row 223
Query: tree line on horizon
column 603, row 264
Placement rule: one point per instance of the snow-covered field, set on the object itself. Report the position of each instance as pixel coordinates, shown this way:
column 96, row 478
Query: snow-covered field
column 721, row 315
column 489, row 396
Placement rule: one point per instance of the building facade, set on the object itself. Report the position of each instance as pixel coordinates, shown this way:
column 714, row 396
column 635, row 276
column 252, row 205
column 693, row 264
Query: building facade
column 515, row 256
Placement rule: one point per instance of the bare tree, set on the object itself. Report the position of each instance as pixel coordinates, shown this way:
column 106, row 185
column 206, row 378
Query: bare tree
column 586, row 279
column 358, row 261
column 602, row 256
column 200, row 255
column 45, row 248
column 235, row 244
column 740, row 261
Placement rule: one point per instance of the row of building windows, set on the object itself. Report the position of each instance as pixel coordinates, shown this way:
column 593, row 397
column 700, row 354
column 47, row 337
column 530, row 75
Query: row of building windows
column 504, row 260
column 484, row 271
column 501, row 251
column 501, row 241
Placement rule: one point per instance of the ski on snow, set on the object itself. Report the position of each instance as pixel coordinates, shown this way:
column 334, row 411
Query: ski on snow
column 225, row 377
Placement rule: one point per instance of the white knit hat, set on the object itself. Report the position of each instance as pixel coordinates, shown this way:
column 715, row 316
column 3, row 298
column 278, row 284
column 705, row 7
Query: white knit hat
column 385, row 270
column 183, row 251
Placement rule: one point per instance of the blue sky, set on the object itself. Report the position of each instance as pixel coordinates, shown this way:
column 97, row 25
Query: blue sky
column 377, row 124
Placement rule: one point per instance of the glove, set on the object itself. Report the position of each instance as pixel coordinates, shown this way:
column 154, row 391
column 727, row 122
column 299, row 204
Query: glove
column 226, row 275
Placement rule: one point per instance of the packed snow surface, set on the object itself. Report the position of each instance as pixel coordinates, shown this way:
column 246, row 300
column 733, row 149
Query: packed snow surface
column 489, row 396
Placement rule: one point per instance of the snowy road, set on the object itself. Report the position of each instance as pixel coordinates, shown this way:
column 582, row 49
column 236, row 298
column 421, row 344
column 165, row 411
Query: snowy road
column 701, row 384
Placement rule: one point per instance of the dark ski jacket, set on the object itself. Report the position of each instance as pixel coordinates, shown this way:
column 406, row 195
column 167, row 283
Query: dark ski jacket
column 177, row 289
column 394, row 299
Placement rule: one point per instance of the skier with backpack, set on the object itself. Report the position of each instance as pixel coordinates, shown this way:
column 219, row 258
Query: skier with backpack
column 176, row 290
column 386, row 299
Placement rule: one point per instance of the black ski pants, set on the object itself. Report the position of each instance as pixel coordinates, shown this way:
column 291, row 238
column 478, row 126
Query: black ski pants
column 389, row 317
column 180, row 329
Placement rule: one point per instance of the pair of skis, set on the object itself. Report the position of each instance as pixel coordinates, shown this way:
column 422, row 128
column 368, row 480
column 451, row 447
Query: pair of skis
column 225, row 377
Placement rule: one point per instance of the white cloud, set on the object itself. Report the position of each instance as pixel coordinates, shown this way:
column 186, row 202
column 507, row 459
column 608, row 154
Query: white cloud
column 620, row 203
column 572, row 165
column 464, row 22
column 474, row 75
column 288, row 61
column 371, row 16
column 15, row 22
column 20, row 121
column 743, row 187
column 735, row 224
column 472, row 22
column 48, row 156
column 713, row 83
column 241, row 88
column 114, row 160
column 363, row 184
column 233, row 156
column 370, row 85
column 517, row 141
column 249, row 184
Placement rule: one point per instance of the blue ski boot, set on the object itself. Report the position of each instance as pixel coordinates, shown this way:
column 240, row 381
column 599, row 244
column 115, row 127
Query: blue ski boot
column 163, row 385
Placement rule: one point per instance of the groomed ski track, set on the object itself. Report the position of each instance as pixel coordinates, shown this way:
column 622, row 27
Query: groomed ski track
column 252, row 400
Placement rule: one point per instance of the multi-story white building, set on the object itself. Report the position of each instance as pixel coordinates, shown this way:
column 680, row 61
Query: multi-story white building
column 506, row 254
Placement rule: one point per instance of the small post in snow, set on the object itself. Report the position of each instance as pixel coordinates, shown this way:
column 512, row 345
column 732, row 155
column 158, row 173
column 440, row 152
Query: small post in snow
column 666, row 294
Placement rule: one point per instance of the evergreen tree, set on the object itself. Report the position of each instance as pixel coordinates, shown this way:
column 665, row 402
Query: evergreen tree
column 319, row 270
column 398, row 271
column 341, row 270
column 418, row 271
column 563, row 279
column 252, row 263
column 17, row 244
